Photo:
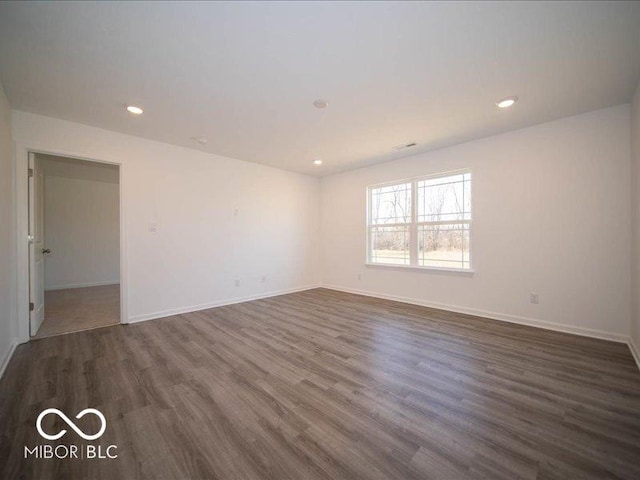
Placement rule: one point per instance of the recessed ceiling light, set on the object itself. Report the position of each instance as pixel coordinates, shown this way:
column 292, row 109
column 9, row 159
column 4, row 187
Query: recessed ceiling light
column 317, row 162
column 321, row 103
column 135, row 110
column 507, row 102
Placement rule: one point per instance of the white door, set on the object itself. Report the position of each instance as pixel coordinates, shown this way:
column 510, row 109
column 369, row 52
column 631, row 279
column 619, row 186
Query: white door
column 36, row 244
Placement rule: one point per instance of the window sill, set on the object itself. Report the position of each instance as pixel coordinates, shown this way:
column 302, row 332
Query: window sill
column 455, row 271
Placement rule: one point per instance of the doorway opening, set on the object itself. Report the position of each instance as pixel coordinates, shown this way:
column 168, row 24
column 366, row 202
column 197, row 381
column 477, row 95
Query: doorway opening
column 74, row 245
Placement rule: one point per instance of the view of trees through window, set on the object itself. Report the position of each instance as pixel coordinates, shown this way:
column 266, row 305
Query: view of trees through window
column 424, row 222
column 390, row 220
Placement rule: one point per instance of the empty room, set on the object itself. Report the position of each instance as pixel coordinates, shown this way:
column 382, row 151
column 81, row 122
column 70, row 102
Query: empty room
column 75, row 274
column 320, row 240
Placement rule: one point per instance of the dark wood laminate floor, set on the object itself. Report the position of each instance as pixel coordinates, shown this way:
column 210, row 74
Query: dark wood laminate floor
column 322, row 384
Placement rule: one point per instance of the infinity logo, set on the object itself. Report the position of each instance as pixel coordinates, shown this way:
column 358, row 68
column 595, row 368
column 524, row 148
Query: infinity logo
column 71, row 424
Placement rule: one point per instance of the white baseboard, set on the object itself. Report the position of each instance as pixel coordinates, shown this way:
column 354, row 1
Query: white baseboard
column 220, row 303
column 635, row 351
column 532, row 322
column 81, row 285
column 7, row 358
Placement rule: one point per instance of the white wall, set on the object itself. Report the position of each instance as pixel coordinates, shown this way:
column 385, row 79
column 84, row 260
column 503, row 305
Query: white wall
column 551, row 215
column 552, row 205
column 8, row 327
column 635, row 222
column 218, row 219
column 82, row 227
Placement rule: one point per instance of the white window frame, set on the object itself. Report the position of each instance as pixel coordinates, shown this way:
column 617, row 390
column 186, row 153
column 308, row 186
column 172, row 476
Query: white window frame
column 414, row 224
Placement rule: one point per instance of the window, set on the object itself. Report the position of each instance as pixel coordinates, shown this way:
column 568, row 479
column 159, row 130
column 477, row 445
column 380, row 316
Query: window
column 423, row 222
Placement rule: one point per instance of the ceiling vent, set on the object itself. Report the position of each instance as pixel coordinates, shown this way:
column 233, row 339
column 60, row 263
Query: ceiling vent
column 404, row 145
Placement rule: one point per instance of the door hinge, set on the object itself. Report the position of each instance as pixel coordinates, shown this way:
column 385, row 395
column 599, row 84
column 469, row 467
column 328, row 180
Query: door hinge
column 31, row 306
column 30, row 172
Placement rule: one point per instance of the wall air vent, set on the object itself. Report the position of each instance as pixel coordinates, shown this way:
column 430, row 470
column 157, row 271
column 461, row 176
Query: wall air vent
column 404, row 145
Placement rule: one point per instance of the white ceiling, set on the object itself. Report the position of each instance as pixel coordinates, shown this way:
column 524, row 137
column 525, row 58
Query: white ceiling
column 245, row 74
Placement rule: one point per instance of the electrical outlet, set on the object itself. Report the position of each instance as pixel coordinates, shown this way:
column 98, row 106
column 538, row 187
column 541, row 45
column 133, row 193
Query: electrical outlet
column 359, row 276
column 534, row 298
column 237, row 283
column 263, row 279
